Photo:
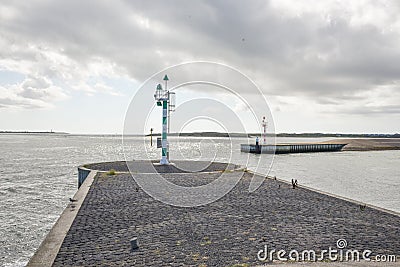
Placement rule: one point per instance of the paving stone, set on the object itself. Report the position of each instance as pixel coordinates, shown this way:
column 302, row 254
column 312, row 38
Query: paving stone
column 226, row 232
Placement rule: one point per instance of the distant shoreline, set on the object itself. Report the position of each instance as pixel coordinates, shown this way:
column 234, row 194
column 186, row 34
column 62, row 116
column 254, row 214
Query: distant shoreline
column 367, row 144
column 359, row 144
column 302, row 135
column 29, row 132
column 219, row 134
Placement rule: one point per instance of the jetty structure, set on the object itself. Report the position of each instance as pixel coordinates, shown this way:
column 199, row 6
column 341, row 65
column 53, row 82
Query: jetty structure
column 264, row 148
column 290, row 148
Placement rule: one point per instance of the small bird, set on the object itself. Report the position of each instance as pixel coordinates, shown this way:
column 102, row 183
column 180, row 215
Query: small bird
column 72, row 200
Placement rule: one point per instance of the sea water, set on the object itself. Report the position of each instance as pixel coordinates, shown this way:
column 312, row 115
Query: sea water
column 38, row 174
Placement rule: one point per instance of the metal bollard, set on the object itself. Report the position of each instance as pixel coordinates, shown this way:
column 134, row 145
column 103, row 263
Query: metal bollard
column 134, row 244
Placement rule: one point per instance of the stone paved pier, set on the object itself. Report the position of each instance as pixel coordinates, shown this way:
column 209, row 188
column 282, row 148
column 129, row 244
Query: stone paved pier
column 227, row 232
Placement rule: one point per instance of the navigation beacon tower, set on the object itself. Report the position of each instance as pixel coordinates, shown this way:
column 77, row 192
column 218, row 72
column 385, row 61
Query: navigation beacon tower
column 264, row 133
column 166, row 99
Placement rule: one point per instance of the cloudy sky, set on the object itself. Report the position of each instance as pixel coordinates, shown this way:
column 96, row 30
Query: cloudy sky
column 324, row 66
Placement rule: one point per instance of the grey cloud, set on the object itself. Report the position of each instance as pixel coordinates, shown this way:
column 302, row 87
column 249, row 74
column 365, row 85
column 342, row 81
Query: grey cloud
column 327, row 101
column 306, row 56
column 373, row 110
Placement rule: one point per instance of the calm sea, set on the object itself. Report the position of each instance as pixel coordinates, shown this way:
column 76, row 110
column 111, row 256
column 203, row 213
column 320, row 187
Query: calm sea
column 38, row 174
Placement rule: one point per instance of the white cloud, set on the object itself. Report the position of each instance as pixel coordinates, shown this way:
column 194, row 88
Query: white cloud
column 106, row 89
column 45, row 64
column 31, row 93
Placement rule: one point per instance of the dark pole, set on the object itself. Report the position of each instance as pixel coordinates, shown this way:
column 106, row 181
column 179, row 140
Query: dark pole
column 166, row 79
column 151, row 136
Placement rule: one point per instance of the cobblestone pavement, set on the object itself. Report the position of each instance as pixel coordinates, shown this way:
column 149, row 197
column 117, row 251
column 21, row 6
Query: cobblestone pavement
column 224, row 233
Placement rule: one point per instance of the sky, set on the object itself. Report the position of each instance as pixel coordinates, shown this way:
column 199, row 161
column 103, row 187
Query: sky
column 323, row 66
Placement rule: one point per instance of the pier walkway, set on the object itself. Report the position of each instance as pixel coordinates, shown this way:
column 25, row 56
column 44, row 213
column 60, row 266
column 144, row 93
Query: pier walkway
column 229, row 231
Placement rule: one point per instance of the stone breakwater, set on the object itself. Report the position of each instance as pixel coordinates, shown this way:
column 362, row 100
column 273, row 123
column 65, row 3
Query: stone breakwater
column 226, row 232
